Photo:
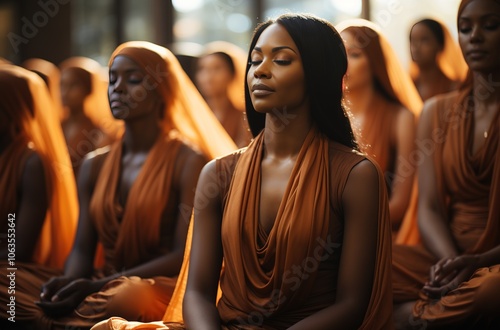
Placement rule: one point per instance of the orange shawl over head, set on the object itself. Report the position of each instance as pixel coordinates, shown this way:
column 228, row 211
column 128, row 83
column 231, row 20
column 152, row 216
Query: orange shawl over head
column 36, row 125
column 254, row 276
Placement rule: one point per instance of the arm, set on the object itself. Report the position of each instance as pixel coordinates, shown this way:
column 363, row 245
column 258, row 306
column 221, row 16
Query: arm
column 357, row 264
column 404, row 139
column 199, row 307
column 33, row 204
column 433, row 226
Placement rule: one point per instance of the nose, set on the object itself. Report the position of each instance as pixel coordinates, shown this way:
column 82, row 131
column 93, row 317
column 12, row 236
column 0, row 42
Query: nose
column 262, row 70
column 476, row 34
column 117, row 85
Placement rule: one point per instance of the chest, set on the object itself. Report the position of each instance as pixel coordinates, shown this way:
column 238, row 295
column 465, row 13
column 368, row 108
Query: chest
column 131, row 166
column 274, row 182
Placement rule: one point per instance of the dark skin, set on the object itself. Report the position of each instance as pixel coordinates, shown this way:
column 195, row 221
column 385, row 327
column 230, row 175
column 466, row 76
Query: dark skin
column 479, row 28
column 62, row 294
column 282, row 71
column 31, row 211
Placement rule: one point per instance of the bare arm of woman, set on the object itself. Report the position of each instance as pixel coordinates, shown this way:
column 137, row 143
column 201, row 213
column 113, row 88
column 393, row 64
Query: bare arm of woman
column 199, row 307
column 433, row 226
column 33, row 205
column 357, row 264
column 402, row 184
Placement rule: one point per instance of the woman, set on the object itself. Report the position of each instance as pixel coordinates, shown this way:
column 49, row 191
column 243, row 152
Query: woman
column 453, row 281
column 37, row 189
column 51, row 75
column 437, row 67
column 135, row 197
column 88, row 124
column 385, row 107
column 276, row 204
column 219, row 77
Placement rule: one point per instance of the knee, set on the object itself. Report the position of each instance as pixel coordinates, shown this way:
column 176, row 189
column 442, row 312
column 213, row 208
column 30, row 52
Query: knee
column 486, row 298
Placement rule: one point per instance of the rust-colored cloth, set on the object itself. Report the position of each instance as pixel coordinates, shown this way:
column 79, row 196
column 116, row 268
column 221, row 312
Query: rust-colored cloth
column 130, row 234
column 469, row 186
column 24, row 103
column 258, row 288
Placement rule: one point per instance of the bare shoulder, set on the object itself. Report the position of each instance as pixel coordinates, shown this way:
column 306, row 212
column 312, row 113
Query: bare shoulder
column 91, row 166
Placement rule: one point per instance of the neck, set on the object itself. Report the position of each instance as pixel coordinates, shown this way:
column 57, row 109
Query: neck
column 285, row 133
column 429, row 72
column 141, row 135
column 360, row 100
column 486, row 90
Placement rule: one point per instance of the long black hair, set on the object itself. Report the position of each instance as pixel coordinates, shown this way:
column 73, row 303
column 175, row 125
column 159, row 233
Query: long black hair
column 325, row 63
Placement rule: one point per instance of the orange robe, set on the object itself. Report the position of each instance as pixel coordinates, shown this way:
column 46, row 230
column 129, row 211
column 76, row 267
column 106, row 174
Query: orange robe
column 261, row 284
column 469, row 185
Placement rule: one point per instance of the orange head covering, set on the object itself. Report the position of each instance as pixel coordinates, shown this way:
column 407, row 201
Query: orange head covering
column 236, row 89
column 24, row 101
column 51, row 75
column 388, row 70
column 185, row 109
column 96, row 105
column 449, row 59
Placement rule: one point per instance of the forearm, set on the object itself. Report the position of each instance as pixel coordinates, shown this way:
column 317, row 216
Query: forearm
column 489, row 258
column 199, row 313
column 436, row 234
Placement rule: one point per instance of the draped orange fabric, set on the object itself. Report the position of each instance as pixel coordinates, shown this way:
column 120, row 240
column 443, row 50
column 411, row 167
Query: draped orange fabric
column 469, row 187
column 257, row 286
column 39, row 128
column 130, row 234
column 52, row 77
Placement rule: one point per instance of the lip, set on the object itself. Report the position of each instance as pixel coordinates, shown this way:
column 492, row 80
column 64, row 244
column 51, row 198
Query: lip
column 476, row 54
column 116, row 103
column 261, row 90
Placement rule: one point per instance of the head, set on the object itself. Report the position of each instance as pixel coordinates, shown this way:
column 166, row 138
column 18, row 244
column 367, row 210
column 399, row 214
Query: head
column 214, row 74
column 367, row 61
column 132, row 91
column 324, row 63
column 76, row 85
column 16, row 102
column 426, row 42
column 479, row 34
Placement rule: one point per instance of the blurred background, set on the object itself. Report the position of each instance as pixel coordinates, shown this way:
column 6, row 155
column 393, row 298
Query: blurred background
column 57, row 29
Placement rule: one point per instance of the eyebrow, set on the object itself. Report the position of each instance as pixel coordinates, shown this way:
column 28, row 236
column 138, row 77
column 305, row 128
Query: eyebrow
column 127, row 70
column 275, row 49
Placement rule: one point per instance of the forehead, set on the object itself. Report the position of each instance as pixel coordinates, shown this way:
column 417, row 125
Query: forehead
column 481, row 8
column 122, row 62
column 349, row 38
column 275, row 35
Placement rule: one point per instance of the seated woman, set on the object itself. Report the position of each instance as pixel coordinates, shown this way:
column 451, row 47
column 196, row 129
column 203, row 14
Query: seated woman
column 136, row 197
column 453, row 280
column 88, row 123
column 437, row 66
column 283, row 215
column 37, row 188
column 385, row 106
column 220, row 77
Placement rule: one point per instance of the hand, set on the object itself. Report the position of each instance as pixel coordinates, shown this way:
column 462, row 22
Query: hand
column 50, row 288
column 448, row 273
column 67, row 298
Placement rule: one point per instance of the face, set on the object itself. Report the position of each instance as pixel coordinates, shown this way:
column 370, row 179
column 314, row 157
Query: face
column 479, row 35
column 75, row 86
column 424, row 46
column 276, row 76
column 358, row 68
column 131, row 91
column 213, row 76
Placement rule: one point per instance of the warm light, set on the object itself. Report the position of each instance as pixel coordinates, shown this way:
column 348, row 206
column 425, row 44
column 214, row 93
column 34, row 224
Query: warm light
column 238, row 23
column 185, row 6
column 352, row 7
